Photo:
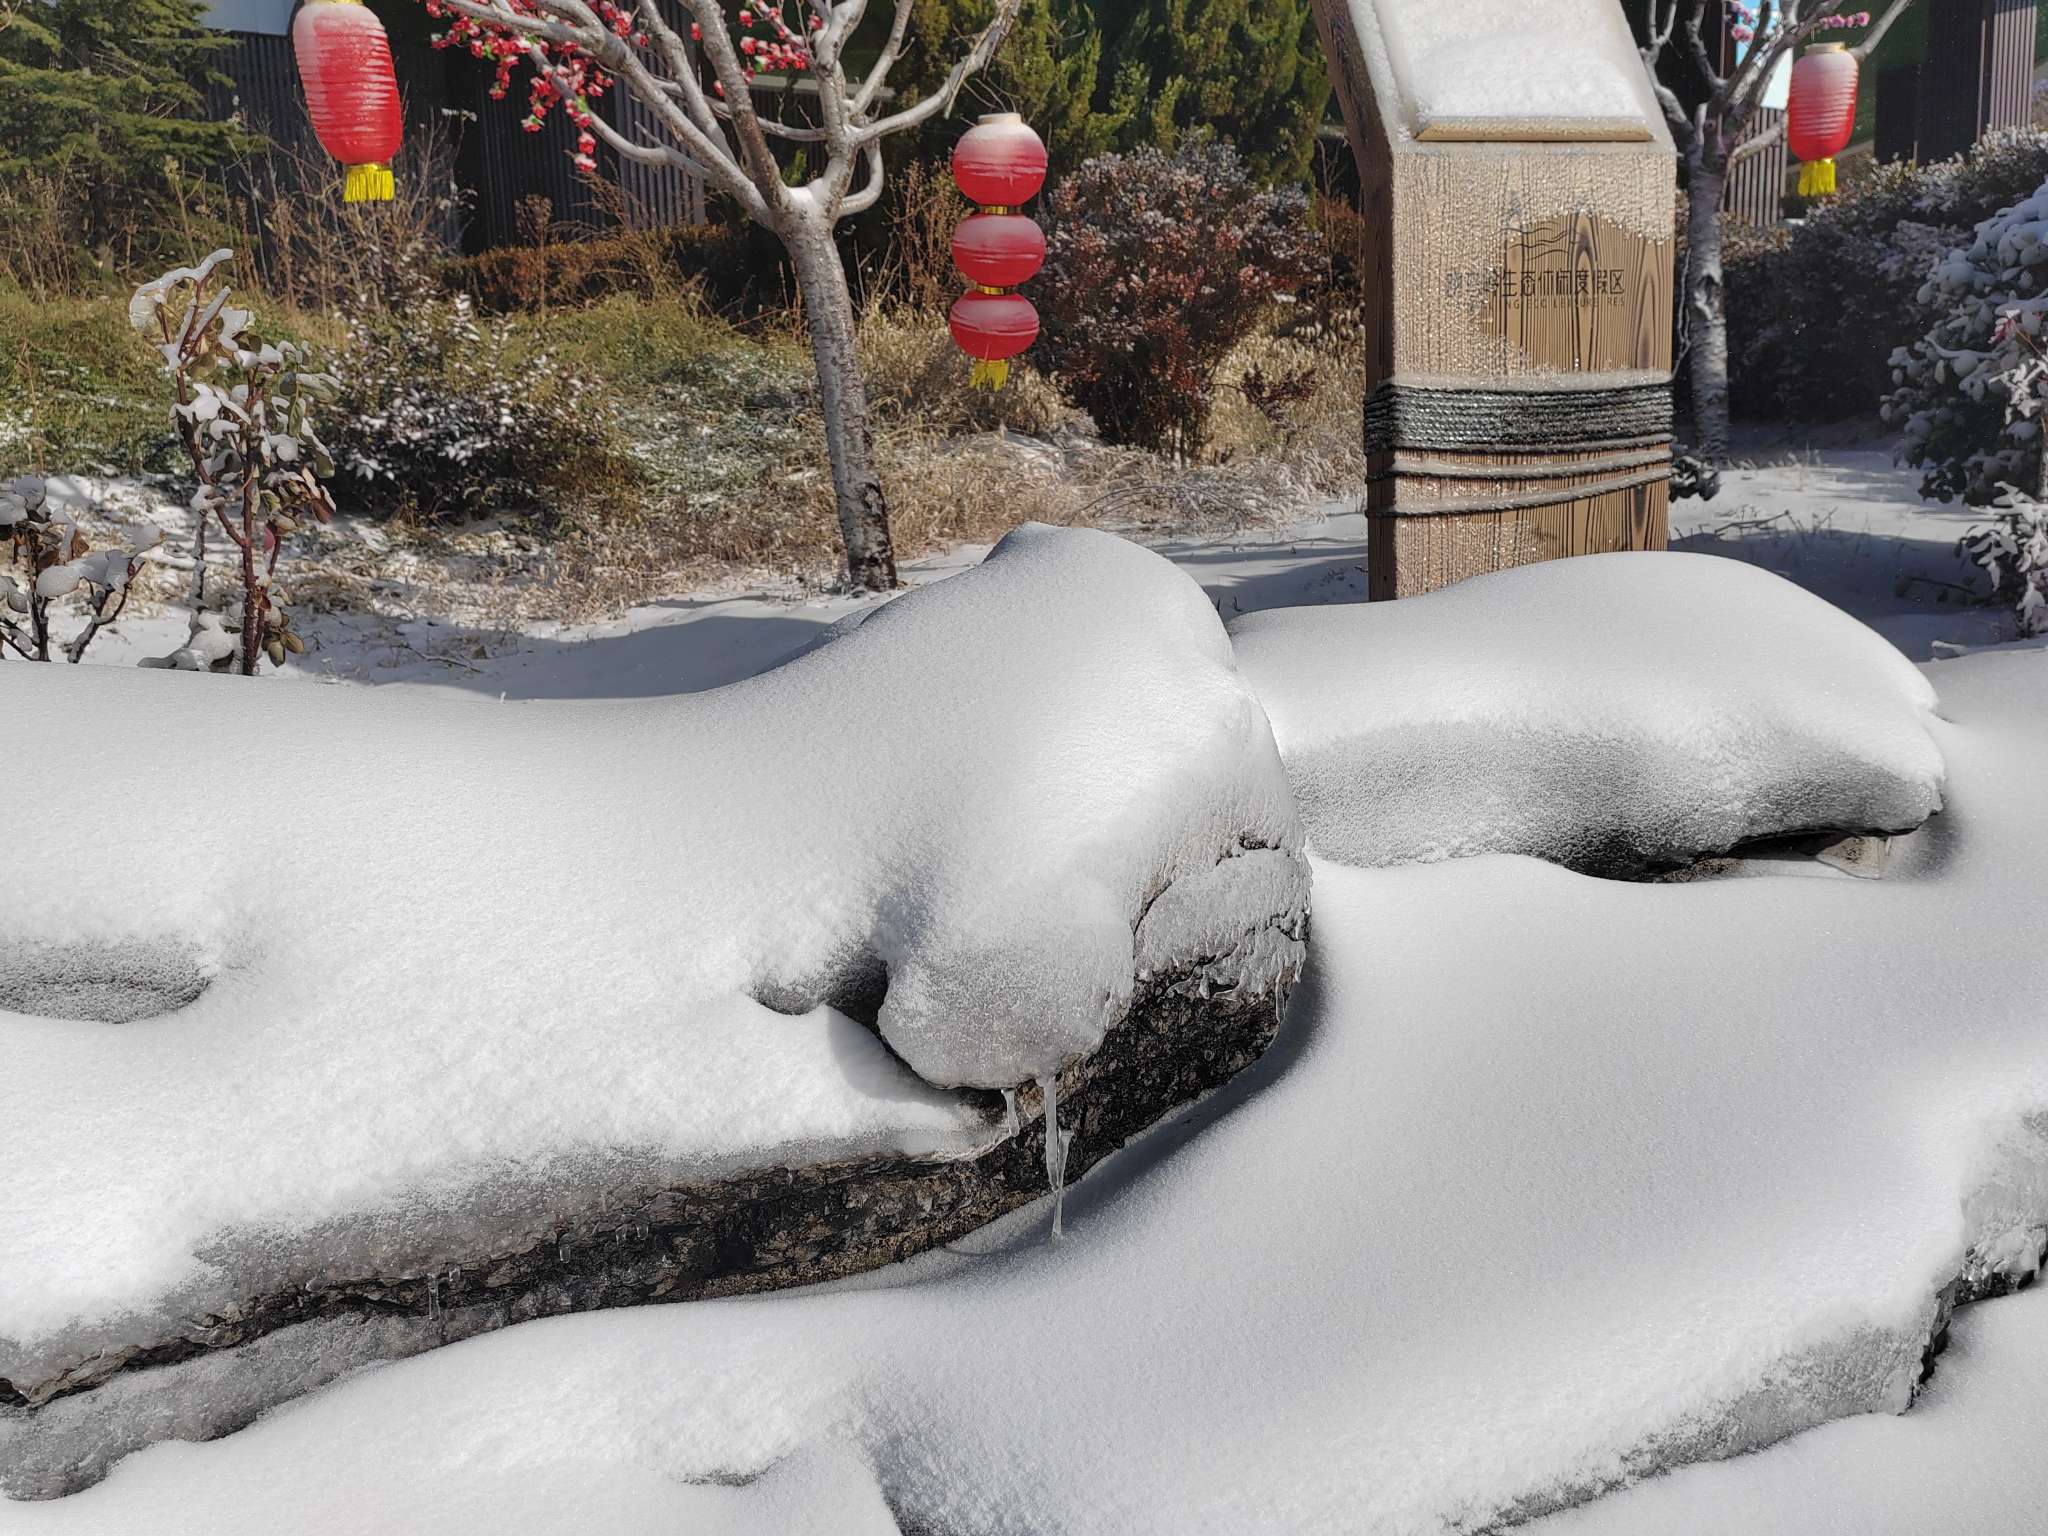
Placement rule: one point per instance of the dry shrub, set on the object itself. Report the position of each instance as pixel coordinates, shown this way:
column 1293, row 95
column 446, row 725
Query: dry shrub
column 917, row 264
column 740, row 267
column 915, row 373
column 39, row 250
column 313, row 252
column 1297, row 400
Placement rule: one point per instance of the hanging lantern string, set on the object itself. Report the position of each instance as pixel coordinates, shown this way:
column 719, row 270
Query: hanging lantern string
column 1000, row 164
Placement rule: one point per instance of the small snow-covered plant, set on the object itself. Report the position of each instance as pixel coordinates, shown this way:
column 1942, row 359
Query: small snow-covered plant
column 243, row 411
column 56, row 563
column 2013, row 551
column 1967, row 397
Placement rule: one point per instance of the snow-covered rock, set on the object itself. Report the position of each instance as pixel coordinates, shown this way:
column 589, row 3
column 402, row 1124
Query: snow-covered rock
column 1612, row 713
column 319, row 989
column 1550, row 1182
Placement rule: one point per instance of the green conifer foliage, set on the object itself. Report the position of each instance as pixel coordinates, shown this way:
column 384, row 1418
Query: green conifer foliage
column 104, row 93
column 1250, row 71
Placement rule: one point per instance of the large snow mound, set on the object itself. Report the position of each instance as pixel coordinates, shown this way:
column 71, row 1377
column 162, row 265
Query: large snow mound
column 301, row 980
column 1610, row 713
column 1549, row 1181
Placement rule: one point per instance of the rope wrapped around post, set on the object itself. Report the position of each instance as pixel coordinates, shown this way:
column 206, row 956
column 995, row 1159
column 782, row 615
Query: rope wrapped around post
column 1627, row 419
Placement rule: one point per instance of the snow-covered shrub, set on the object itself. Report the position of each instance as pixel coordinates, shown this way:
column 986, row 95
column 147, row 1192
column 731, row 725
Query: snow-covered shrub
column 243, row 409
column 2012, row 550
column 1816, row 308
column 445, row 415
column 1157, row 266
column 1966, row 402
column 43, row 542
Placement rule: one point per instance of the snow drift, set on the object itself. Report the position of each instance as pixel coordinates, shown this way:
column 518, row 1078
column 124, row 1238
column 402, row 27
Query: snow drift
column 306, row 984
column 1612, row 713
column 1549, row 1182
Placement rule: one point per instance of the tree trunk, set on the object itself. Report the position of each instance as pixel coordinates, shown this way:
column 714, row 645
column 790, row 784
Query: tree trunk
column 857, row 487
column 1706, row 318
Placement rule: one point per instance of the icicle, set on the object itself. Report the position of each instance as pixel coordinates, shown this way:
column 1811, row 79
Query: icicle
column 562, row 1249
column 433, row 1298
column 1011, row 1124
column 1055, row 1150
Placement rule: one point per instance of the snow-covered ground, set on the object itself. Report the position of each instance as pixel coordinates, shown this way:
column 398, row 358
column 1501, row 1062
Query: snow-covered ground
column 1550, row 1182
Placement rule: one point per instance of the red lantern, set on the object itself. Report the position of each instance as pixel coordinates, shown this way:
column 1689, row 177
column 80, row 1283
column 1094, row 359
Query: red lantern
column 351, row 92
column 999, row 163
column 1821, row 114
column 998, row 250
column 992, row 328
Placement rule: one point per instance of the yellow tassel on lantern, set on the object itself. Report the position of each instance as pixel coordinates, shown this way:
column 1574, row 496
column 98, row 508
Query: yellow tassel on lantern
column 990, row 373
column 368, row 184
column 1817, row 178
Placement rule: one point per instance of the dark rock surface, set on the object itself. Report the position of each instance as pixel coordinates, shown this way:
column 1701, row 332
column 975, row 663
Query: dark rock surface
column 753, row 1231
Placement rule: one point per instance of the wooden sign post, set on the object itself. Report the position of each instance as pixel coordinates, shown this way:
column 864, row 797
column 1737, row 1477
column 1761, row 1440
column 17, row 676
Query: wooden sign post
column 1519, row 189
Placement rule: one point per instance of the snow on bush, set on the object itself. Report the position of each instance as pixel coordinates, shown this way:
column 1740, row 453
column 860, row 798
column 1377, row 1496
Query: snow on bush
column 1866, row 252
column 43, row 541
column 443, row 415
column 243, row 408
column 513, row 951
column 1610, row 713
column 2012, row 551
column 1966, row 404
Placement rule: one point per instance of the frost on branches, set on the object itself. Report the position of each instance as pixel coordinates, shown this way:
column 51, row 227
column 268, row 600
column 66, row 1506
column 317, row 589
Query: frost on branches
column 2012, row 551
column 1967, row 399
column 243, row 413
column 797, row 178
column 56, row 564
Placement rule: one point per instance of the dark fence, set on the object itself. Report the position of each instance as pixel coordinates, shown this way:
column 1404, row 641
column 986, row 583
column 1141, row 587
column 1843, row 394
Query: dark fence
column 497, row 166
column 1978, row 73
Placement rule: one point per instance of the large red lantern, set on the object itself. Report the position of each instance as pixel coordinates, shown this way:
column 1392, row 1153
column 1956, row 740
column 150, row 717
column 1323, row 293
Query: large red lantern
column 999, row 163
column 351, row 92
column 992, row 328
column 998, row 250
column 1821, row 114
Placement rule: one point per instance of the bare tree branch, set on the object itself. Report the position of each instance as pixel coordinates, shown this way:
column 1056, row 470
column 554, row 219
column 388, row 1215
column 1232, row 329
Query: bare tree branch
column 941, row 101
column 1756, row 144
column 1875, row 35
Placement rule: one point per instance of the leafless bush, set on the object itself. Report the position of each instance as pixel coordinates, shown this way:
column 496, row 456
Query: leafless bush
column 39, row 248
column 313, row 251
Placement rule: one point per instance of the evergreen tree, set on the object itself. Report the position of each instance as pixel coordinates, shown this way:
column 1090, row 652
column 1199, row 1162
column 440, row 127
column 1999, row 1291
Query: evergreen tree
column 1048, row 70
column 105, row 92
column 1250, row 71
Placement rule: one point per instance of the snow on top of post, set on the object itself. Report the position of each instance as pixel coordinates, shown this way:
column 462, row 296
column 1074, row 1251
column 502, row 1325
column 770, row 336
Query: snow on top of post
column 1517, row 69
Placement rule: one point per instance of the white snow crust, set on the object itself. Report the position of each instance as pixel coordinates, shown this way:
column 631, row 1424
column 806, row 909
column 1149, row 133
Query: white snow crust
column 301, row 978
column 1543, row 64
column 1613, row 709
column 1968, row 1458
column 1549, row 1181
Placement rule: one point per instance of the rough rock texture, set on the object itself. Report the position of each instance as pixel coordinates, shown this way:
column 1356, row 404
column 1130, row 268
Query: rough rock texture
column 756, row 1231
